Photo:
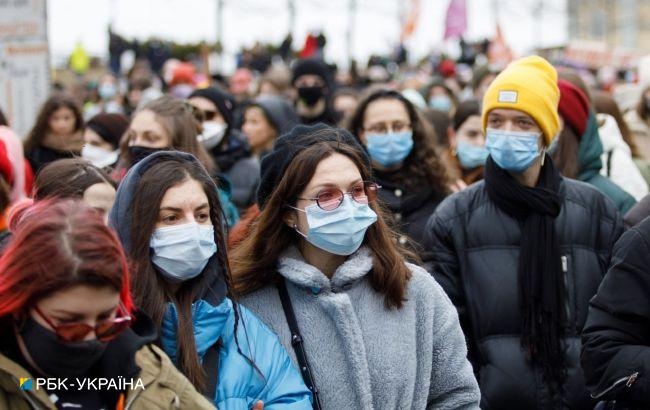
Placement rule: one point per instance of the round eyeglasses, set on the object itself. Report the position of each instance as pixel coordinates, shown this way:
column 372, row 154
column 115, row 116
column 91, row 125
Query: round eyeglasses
column 331, row 198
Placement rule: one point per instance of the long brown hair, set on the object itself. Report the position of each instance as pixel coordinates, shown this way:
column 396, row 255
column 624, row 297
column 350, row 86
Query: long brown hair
column 254, row 261
column 565, row 156
column 604, row 103
column 150, row 291
column 42, row 124
column 423, row 166
column 68, row 178
column 177, row 118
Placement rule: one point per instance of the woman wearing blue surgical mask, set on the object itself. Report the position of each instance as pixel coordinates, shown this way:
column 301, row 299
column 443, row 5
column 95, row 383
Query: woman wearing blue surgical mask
column 522, row 252
column 440, row 97
column 321, row 267
column 66, row 315
column 167, row 214
column 467, row 142
column 404, row 161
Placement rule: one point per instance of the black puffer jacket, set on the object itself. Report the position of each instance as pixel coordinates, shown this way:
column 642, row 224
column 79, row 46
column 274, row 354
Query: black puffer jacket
column 472, row 248
column 410, row 208
column 616, row 339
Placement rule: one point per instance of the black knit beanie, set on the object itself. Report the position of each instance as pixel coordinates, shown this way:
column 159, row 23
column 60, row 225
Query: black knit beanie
column 312, row 66
column 110, row 127
column 276, row 162
column 224, row 101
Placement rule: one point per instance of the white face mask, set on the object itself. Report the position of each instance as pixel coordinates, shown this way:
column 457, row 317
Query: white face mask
column 99, row 157
column 213, row 133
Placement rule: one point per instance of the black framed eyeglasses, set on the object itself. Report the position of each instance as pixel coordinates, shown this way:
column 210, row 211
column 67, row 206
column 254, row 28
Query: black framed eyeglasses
column 331, row 198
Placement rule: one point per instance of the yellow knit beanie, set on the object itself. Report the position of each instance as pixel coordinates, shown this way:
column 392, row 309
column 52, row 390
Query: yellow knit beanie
column 528, row 85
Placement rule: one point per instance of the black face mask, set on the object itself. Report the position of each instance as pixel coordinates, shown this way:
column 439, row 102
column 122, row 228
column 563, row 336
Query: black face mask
column 311, row 95
column 57, row 358
column 138, row 153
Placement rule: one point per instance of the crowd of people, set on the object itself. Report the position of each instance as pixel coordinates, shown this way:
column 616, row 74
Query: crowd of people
column 306, row 238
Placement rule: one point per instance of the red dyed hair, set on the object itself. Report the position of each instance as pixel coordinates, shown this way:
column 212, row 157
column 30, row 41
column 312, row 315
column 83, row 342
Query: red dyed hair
column 58, row 245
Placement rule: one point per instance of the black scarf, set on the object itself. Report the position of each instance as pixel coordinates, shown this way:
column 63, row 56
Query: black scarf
column 541, row 281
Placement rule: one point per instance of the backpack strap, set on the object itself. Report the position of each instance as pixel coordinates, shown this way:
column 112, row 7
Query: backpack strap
column 211, row 369
column 297, row 342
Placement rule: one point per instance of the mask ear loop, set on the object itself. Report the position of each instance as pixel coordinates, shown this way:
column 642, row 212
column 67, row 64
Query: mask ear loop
column 295, row 228
column 543, row 155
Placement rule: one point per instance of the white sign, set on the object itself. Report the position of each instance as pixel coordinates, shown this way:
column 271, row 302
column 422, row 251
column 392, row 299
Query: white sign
column 24, row 61
column 22, row 18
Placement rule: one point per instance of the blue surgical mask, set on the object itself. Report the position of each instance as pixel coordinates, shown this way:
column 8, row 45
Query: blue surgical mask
column 471, row 156
column 513, row 151
column 340, row 231
column 390, row 148
column 440, row 103
column 107, row 91
column 182, row 252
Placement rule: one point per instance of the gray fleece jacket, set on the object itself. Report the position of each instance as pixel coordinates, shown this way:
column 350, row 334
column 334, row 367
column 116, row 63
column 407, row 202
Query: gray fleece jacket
column 364, row 356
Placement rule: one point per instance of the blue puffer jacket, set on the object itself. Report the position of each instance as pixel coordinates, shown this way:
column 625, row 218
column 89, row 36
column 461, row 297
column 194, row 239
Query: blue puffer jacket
column 239, row 384
column 274, row 379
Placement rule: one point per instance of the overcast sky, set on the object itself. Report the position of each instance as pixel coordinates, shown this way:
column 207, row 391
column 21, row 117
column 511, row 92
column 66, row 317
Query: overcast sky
column 376, row 24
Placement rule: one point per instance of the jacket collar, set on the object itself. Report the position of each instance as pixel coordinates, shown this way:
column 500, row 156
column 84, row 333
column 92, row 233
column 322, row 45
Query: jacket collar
column 293, row 267
column 10, row 374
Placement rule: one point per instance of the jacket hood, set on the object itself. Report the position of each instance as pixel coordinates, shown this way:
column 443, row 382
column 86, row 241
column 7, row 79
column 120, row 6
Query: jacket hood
column 589, row 151
column 279, row 111
column 120, row 216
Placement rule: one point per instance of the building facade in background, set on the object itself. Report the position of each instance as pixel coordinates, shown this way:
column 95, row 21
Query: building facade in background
column 614, row 23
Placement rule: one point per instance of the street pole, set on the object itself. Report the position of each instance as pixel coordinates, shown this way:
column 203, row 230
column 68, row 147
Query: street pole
column 350, row 30
column 292, row 16
column 220, row 34
column 538, row 26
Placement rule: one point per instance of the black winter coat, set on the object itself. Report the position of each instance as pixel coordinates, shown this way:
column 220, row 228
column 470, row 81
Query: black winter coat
column 473, row 250
column 242, row 169
column 410, row 209
column 616, row 339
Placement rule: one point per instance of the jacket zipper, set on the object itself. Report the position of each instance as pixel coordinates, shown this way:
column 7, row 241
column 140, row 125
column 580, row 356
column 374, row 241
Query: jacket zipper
column 565, row 271
column 629, row 381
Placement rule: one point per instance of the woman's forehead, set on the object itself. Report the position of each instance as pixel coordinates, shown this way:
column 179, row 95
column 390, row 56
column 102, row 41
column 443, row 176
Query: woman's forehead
column 336, row 170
